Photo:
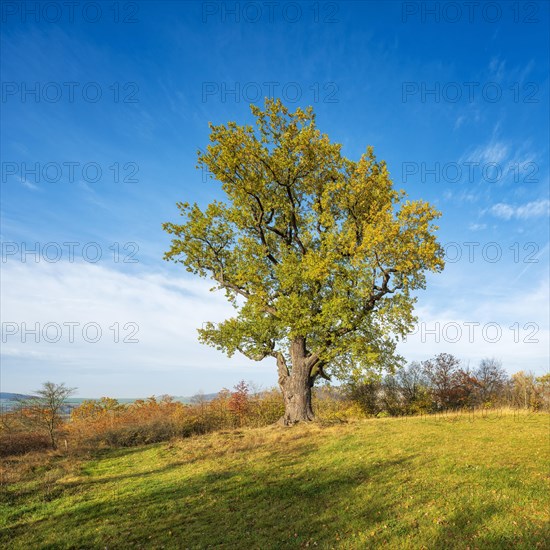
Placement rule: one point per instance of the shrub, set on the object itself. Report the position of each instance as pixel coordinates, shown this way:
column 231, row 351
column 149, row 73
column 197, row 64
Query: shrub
column 238, row 403
column 140, row 434
column 367, row 396
column 18, row 443
column 265, row 408
column 333, row 404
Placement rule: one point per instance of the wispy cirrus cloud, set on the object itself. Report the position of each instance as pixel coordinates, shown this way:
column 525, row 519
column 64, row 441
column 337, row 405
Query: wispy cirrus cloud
column 25, row 183
column 533, row 209
column 495, row 151
column 509, row 325
column 477, row 226
column 500, row 71
column 503, row 152
column 106, row 331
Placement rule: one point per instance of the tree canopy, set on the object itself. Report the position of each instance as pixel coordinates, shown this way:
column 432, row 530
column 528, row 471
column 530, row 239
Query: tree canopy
column 310, row 247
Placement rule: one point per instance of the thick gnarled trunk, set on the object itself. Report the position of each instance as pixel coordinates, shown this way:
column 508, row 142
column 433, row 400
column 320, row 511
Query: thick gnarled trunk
column 297, row 399
column 296, row 385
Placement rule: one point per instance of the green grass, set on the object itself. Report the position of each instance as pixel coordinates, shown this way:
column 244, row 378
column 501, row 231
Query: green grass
column 452, row 482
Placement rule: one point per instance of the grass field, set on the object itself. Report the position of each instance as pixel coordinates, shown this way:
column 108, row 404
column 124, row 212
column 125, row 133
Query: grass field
column 432, row 482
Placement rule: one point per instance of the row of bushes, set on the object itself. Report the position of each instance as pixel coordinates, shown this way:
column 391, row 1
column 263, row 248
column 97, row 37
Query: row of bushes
column 442, row 383
column 421, row 388
column 106, row 422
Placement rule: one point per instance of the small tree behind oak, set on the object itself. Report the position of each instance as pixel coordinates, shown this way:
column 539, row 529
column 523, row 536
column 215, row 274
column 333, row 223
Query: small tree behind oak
column 44, row 410
column 318, row 253
column 239, row 401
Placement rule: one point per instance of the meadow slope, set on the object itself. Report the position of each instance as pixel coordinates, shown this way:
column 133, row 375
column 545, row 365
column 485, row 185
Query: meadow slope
column 454, row 481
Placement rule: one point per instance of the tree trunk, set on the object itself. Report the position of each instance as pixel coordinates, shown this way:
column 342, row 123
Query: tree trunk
column 52, row 437
column 296, row 385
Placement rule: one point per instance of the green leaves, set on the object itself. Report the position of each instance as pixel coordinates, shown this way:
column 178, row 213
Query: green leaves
column 313, row 244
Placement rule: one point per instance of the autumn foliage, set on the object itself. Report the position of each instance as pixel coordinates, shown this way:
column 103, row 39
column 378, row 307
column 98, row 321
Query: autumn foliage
column 442, row 383
column 106, row 422
column 438, row 384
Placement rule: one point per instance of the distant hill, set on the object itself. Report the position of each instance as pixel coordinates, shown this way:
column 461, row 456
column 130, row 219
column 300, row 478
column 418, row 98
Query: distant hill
column 12, row 396
column 8, row 396
column 193, row 398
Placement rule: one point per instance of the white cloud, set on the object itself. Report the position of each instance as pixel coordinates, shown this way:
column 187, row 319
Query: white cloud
column 27, row 184
column 499, row 71
column 502, row 210
column 477, row 226
column 167, row 309
column 534, row 209
column 509, row 324
column 499, row 161
column 461, row 196
column 494, row 152
column 161, row 311
column 459, row 121
column 497, row 68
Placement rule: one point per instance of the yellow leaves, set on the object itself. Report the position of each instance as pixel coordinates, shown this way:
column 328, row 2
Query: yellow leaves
column 315, row 242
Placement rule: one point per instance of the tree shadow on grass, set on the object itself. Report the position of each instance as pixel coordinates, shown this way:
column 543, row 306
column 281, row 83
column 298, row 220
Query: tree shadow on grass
column 239, row 506
column 469, row 527
column 270, row 502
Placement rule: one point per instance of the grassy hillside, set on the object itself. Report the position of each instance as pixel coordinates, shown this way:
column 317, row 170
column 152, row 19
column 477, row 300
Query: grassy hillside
column 447, row 482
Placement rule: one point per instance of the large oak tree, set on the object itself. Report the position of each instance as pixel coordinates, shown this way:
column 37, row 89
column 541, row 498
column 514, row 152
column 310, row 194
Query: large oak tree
column 319, row 254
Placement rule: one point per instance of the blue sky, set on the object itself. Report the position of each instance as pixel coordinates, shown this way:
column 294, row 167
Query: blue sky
column 104, row 108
